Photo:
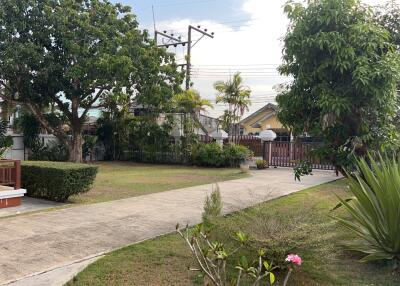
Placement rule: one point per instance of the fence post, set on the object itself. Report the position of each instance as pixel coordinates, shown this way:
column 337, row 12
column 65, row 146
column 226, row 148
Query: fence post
column 270, row 153
column 263, row 152
column 291, row 157
column 17, row 166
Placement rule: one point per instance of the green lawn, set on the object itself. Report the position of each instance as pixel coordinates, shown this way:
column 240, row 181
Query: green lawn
column 301, row 223
column 118, row 180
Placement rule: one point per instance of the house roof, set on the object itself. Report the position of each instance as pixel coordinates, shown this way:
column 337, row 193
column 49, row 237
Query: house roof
column 266, row 107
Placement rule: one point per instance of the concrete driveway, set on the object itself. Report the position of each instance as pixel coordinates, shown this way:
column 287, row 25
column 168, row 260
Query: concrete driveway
column 31, row 245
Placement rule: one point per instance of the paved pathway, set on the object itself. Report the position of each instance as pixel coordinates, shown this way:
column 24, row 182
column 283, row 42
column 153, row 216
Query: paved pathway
column 29, row 205
column 54, row 240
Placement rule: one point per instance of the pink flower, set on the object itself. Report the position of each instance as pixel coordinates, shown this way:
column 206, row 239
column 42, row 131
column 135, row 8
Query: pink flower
column 293, row 258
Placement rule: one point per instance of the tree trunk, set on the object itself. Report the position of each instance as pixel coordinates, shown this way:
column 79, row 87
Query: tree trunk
column 75, row 147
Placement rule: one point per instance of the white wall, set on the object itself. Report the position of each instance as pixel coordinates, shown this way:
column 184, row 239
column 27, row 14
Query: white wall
column 18, row 151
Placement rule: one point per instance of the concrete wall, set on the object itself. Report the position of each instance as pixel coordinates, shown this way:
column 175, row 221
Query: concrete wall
column 18, row 150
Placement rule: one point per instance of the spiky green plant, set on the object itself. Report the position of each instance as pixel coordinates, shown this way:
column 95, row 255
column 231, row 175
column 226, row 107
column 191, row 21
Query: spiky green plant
column 375, row 209
column 212, row 207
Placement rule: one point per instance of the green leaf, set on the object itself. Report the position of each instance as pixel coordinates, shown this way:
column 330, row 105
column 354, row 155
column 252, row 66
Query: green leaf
column 271, row 278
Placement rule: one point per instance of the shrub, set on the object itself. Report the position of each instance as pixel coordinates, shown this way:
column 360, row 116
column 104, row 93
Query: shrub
column 6, row 141
column 374, row 210
column 212, row 155
column 207, row 155
column 212, row 207
column 261, row 164
column 233, row 155
column 304, row 168
column 51, row 151
column 55, row 180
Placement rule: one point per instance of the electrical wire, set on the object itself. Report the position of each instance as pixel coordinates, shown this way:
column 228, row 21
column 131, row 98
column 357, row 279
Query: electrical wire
column 243, row 73
column 235, row 65
column 248, row 76
column 230, row 69
column 184, row 3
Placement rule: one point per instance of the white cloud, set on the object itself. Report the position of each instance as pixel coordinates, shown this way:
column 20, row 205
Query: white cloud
column 241, row 46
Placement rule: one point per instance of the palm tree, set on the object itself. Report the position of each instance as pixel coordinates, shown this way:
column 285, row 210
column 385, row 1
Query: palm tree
column 190, row 101
column 237, row 96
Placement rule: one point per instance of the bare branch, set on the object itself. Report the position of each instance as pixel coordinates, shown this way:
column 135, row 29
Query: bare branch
column 239, row 278
column 61, row 105
column 193, row 250
column 6, row 86
column 57, row 131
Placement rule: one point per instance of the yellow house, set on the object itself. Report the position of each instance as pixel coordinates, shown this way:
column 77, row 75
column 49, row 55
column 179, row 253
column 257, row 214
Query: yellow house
column 263, row 119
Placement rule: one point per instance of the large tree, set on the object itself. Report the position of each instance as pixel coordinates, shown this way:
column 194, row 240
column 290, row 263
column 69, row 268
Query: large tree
column 388, row 15
column 345, row 70
column 72, row 53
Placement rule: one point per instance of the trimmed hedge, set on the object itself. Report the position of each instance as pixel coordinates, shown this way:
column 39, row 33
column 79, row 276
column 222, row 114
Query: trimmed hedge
column 212, row 155
column 56, row 181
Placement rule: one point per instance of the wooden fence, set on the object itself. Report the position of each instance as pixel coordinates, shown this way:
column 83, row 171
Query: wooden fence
column 251, row 142
column 289, row 154
column 10, row 173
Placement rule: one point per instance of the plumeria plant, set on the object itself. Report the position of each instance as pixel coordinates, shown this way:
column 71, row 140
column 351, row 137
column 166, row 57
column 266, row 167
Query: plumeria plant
column 293, row 260
column 212, row 257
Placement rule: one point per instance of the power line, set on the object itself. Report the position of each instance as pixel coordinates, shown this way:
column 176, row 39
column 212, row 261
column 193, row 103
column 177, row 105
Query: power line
column 231, row 72
column 241, row 68
column 249, row 20
column 185, row 3
column 249, row 76
column 237, row 65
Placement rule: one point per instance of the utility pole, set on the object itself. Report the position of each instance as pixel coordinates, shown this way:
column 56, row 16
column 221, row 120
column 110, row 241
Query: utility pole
column 175, row 41
column 188, row 58
column 189, row 49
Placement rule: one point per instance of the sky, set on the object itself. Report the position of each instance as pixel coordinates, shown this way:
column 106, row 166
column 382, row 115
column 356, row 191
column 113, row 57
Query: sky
column 248, row 39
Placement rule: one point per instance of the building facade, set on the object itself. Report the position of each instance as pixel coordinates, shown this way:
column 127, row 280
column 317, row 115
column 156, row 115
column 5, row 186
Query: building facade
column 264, row 119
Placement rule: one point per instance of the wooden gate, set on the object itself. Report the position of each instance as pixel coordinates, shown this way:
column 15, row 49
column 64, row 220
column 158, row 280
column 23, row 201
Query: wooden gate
column 289, row 154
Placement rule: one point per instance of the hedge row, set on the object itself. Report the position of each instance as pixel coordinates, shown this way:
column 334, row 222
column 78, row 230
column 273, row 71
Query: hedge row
column 213, row 155
column 56, row 180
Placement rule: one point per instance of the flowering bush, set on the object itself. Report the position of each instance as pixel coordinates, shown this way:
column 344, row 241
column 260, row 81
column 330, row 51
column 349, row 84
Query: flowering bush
column 294, row 258
column 212, row 258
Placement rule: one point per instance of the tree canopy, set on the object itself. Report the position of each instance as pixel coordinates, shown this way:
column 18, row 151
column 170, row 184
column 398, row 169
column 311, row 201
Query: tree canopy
column 345, row 70
column 389, row 16
column 72, row 53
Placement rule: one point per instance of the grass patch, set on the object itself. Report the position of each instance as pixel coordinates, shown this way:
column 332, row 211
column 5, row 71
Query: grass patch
column 300, row 223
column 118, row 180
